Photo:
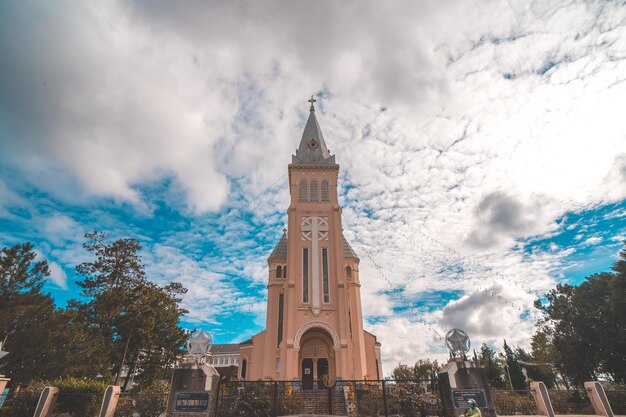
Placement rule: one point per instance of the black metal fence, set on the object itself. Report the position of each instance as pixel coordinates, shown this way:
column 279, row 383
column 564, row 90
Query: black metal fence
column 570, row 402
column 509, row 402
column 144, row 405
column 20, row 404
column 617, row 399
column 389, row 398
column 347, row 398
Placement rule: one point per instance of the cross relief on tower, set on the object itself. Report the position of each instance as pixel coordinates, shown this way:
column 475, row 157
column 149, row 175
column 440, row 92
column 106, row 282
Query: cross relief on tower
column 315, row 229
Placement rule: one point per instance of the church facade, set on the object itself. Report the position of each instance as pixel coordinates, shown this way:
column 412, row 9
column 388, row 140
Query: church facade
column 314, row 324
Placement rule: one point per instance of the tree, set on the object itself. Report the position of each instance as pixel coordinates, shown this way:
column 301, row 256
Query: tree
column 514, row 369
column 422, row 370
column 535, row 370
column 28, row 318
column 585, row 323
column 493, row 367
column 134, row 319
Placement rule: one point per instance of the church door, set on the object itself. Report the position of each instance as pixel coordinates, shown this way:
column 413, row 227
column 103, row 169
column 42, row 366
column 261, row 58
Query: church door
column 322, row 373
column 307, row 373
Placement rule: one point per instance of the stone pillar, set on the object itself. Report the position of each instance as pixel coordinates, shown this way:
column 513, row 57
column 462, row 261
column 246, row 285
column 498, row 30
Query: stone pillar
column 46, row 401
column 109, row 402
column 461, row 380
column 542, row 399
column 3, row 383
column 598, row 398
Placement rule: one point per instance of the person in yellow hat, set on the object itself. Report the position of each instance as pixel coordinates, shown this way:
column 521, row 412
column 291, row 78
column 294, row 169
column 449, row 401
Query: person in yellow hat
column 473, row 410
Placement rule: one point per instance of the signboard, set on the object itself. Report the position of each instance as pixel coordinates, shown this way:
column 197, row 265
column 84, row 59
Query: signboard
column 192, row 402
column 460, row 397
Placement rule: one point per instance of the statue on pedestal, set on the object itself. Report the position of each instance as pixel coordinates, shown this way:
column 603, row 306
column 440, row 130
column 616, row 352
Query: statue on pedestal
column 463, row 383
column 193, row 392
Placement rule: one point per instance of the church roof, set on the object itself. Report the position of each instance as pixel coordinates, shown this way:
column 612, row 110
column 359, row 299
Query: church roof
column 225, row 348
column 280, row 251
column 312, row 149
column 348, row 252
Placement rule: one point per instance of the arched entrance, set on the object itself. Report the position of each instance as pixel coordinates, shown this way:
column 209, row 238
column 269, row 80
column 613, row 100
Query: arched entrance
column 317, row 359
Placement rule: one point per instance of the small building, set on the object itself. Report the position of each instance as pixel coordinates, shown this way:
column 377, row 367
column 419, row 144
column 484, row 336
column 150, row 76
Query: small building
column 225, row 355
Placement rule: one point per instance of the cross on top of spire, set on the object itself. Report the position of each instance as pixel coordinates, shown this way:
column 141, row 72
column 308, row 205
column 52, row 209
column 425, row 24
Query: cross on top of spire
column 312, row 100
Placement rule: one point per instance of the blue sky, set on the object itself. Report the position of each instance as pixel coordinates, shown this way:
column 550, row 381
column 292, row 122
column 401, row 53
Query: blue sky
column 481, row 144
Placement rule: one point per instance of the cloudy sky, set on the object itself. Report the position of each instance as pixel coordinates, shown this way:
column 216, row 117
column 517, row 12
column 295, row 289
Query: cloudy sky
column 482, row 147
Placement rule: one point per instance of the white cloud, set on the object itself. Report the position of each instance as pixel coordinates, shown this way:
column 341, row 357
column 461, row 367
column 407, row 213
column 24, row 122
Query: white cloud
column 57, row 275
column 594, row 240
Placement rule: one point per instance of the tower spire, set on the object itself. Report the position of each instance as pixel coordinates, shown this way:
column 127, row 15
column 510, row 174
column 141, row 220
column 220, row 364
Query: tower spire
column 312, row 149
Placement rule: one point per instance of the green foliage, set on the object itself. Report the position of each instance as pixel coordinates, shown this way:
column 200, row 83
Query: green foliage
column 34, row 329
column 147, row 401
column 535, row 369
column 514, row 369
column 120, row 307
column 422, row 370
column 493, row 366
column 78, row 397
column 585, row 324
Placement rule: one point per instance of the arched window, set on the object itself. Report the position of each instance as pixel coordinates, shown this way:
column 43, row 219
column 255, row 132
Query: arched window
column 279, row 271
column 324, row 191
column 314, row 195
column 244, row 368
column 302, row 191
column 285, row 271
column 348, row 272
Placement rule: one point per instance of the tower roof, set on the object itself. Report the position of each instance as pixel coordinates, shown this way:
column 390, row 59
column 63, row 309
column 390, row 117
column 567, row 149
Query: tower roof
column 312, row 149
column 280, row 250
column 348, row 252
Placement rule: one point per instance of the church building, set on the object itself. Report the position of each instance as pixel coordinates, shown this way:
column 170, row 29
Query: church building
column 314, row 324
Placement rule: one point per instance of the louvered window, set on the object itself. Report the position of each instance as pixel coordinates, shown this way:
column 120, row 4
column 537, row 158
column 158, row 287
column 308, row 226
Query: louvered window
column 302, row 191
column 279, row 271
column 314, row 192
column 324, row 191
column 348, row 273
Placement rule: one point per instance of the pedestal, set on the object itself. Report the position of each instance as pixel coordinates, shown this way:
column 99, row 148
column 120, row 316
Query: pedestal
column 193, row 392
column 461, row 380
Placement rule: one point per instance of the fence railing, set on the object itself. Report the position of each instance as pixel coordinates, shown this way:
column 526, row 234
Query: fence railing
column 144, row 405
column 397, row 398
column 20, row 404
column 77, row 404
column 617, row 399
column 570, row 402
column 509, row 402
column 358, row 398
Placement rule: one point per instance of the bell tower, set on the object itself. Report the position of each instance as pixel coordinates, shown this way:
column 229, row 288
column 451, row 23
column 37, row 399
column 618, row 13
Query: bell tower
column 314, row 323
